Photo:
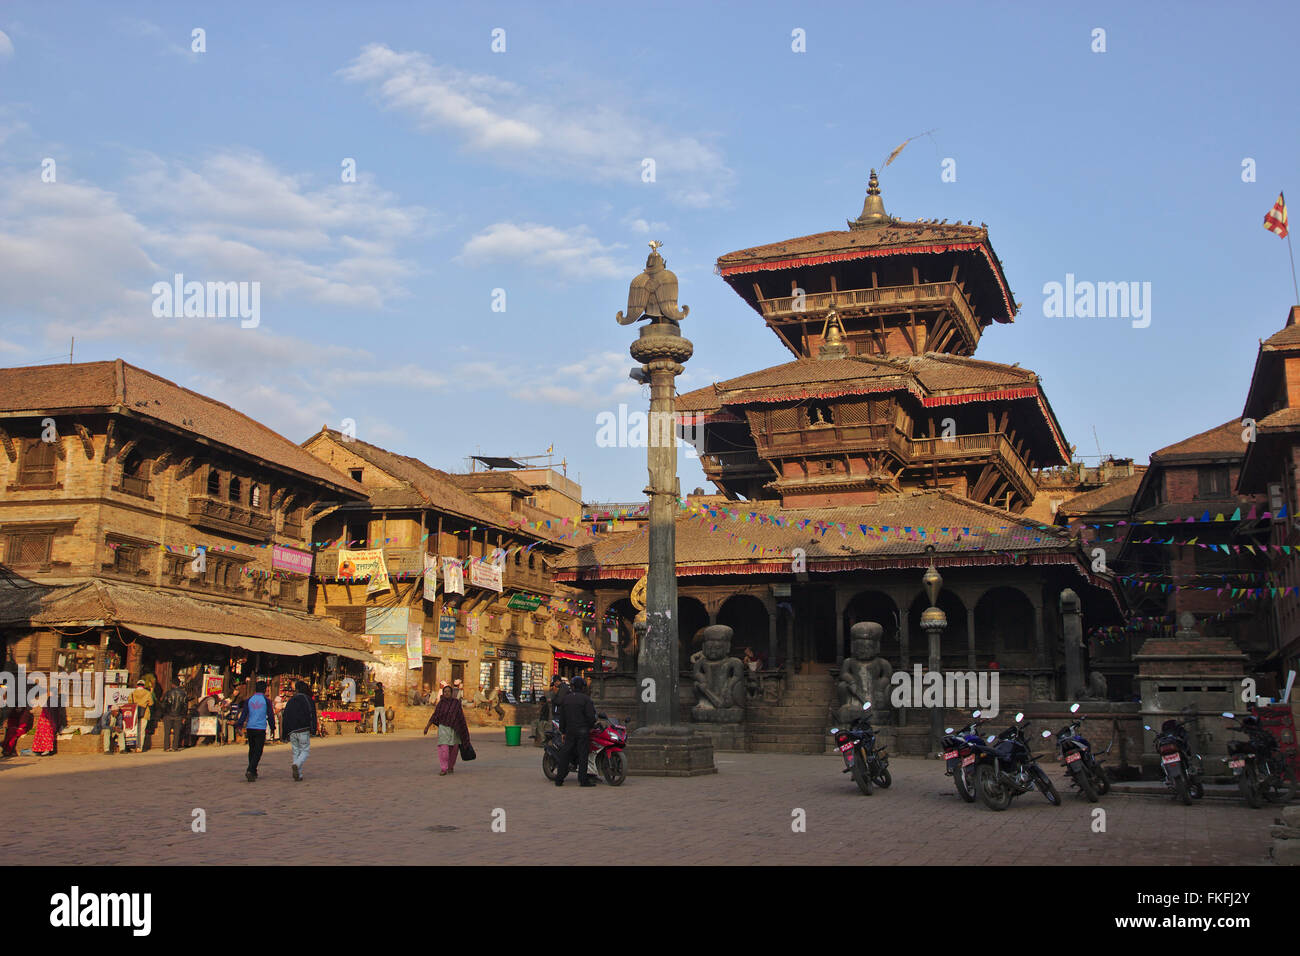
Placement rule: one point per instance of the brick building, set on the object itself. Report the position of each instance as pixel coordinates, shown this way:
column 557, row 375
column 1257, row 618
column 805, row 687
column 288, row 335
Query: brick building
column 166, row 532
column 510, row 628
column 1271, row 468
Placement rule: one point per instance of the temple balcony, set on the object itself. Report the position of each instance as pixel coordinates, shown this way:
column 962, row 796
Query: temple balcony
column 229, row 518
column 887, row 300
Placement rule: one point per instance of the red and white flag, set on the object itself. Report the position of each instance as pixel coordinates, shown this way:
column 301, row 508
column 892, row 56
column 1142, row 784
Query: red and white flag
column 1275, row 221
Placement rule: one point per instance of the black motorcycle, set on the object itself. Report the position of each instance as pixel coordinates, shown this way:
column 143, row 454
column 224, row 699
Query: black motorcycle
column 1081, row 762
column 1257, row 763
column 1005, row 768
column 1177, row 761
column 959, row 757
column 867, row 763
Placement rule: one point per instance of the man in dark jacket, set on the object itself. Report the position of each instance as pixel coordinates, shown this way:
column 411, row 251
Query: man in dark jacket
column 298, row 721
column 176, row 713
column 577, row 717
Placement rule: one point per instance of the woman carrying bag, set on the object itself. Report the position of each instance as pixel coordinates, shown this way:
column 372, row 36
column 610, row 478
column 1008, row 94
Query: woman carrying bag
column 453, row 733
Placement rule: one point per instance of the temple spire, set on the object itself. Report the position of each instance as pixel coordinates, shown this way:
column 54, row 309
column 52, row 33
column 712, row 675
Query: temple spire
column 873, row 209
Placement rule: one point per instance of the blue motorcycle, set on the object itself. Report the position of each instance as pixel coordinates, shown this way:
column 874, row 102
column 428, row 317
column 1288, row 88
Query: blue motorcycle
column 1005, row 768
column 959, row 756
column 1080, row 761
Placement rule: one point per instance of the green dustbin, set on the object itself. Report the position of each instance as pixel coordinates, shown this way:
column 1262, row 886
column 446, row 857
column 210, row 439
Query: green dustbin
column 512, row 735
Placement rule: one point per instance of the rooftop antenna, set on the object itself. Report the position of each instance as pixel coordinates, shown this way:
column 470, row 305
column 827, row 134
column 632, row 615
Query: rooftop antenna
column 71, row 346
column 1097, row 440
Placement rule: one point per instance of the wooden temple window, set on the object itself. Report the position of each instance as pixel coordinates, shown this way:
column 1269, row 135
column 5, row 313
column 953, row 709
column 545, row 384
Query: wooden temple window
column 37, row 466
column 126, row 559
column 1212, row 482
column 214, row 483
column 255, row 496
column 235, row 489
column 819, row 414
column 135, row 475
column 30, row 550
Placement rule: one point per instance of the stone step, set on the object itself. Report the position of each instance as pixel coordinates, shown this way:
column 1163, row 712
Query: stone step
column 781, row 748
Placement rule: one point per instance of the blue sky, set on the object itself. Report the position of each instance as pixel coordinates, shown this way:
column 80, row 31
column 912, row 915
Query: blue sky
column 522, row 171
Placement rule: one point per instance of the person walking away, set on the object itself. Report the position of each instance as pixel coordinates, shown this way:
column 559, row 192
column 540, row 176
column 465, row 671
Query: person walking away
column 143, row 699
column 577, row 717
column 175, row 710
column 380, row 717
column 298, row 721
column 258, row 716
column 449, row 718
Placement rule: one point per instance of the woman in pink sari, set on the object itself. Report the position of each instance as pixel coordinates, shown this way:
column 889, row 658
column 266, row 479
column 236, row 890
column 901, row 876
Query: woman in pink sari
column 449, row 718
column 20, row 719
column 48, row 725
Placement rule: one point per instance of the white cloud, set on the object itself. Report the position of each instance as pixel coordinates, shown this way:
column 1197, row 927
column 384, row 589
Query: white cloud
column 6, row 46
column 518, row 128
column 574, row 253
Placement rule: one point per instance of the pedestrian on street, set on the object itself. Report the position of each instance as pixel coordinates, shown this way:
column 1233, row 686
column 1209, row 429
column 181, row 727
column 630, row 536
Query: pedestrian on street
column 16, row 727
column 299, row 719
column 143, row 699
column 377, row 700
column 449, row 718
column 110, row 730
column 559, row 689
column 577, row 717
column 175, row 711
column 48, row 724
column 258, row 716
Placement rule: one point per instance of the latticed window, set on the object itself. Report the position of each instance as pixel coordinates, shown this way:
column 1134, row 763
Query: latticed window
column 38, row 464
column 30, row 549
column 135, row 474
column 126, row 560
column 235, row 489
column 214, row 482
column 255, row 496
column 785, row 419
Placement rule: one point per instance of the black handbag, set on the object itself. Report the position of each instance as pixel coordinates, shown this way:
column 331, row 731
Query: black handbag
column 467, row 752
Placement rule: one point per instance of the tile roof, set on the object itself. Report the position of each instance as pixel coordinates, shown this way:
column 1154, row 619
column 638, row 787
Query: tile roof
column 119, row 386
column 882, row 236
column 930, row 374
column 1115, row 496
column 981, row 530
column 127, row 604
column 429, row 487
column 491, row 481
column 1221, row 441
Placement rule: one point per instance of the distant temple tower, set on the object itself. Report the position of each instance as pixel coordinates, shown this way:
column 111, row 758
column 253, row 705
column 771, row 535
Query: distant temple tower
column 883, row 397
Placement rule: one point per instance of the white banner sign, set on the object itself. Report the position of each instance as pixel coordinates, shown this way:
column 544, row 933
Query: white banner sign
column 430, row 577
column 453, row 576
column 483, row 574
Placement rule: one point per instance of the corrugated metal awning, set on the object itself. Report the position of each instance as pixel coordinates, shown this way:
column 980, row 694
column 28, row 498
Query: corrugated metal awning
column 262, row 644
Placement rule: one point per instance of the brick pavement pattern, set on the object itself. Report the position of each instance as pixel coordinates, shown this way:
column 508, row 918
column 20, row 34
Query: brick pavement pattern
column 380, row 800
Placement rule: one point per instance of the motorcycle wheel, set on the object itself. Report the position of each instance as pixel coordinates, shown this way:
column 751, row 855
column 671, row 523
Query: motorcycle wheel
column 548, row 766
column 991, row 793
column 882, row 778
column 613, row 768
column 860, row 775
column 1048, row 789
column 1181, row 793
column 1195, row 788
column 1083, row 780
column 964, row 778
column 1100, row 780
column 1249, row 785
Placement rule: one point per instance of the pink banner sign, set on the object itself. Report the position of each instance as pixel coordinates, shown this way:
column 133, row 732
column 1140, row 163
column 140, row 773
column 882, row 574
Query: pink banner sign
column 287, row 559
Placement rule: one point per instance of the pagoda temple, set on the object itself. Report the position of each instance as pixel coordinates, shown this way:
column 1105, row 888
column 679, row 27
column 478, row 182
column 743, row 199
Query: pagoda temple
column 882, row 446
column 883, row 397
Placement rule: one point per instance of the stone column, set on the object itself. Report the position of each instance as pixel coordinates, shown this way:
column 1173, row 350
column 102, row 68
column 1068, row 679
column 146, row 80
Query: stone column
column 1072, row 631
column 970, row 632
column 661, row 746
column 934, row 621
column 841, row 645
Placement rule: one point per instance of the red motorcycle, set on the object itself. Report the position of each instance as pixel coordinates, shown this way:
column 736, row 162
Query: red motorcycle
column 608, row 738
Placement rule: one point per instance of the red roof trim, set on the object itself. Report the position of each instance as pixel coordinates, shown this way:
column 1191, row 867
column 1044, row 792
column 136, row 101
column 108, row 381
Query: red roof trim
column 979, row 397
column 932, row 248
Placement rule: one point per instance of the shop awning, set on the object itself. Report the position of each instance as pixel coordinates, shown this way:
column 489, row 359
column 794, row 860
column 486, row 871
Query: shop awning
column 264, row 644
column 568, row 656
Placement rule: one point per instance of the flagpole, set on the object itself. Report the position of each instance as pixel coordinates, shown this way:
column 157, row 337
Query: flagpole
column 1294, row 286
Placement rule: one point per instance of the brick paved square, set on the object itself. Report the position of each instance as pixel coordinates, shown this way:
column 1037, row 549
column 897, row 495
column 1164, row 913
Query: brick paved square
column 371, row 800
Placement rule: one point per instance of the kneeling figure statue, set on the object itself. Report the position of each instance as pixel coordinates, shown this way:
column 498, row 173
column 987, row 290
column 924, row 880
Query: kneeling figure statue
column 719, row 679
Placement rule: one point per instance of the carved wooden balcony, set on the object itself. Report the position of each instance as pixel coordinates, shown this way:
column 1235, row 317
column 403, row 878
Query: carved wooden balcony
column 229, row 517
